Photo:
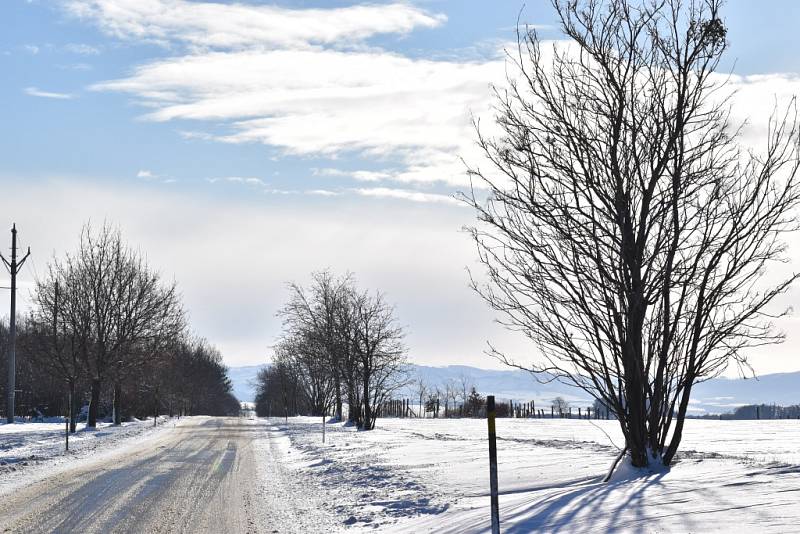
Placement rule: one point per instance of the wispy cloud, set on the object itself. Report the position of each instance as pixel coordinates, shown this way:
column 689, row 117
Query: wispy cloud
column 375, row 104
column 34, row 91
column 263, row 73
column 240, row 26
column 150, row 176
column 265, row 188
column 76, row 66
column 82, row 49
column 249, row 180
column 322, row 192
column 363, row 176
column 31, row 49
column 405, row 194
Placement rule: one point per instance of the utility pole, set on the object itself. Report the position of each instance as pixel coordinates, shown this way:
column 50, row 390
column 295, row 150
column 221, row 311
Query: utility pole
column 13, row 268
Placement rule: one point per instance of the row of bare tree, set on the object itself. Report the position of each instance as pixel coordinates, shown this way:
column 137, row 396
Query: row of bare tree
column 341, row 347
column 104, row 322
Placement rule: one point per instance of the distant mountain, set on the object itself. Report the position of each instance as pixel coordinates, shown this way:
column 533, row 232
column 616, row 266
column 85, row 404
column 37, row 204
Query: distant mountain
column 719, row 395
column 722, row 395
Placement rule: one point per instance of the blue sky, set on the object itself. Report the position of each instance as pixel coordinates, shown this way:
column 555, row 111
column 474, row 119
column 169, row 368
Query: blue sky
column 241, row 153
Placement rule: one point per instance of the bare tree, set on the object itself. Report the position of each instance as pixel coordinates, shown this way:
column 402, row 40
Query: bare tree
column 380, row 352
column 450, row 392
column 119, row 307
column 315, row 381
column 464, row 385
column 625, row 230
column 64, row 325
column 320, row 312
column 420, row 390
column 560, row 405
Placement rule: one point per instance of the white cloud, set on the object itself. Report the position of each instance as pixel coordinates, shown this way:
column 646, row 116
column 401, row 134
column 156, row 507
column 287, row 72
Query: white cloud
column 246, row 26
column 151, row 177
column 756, row 98
column 264, row 73
column 377, row 104
column 307, row 91
column 322, row 192
column 76, row 66
column 249, row 180
column 405, row 194
column 31, row 49
column 34, row 91
column 82, row 48
column 362, row 176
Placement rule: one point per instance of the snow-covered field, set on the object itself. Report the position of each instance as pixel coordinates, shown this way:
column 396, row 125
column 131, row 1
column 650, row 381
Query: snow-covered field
column 432, row 476
column 31, row 451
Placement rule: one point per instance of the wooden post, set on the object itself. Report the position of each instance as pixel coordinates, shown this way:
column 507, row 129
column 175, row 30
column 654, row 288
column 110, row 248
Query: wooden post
column 323, row 428
column 490, row 413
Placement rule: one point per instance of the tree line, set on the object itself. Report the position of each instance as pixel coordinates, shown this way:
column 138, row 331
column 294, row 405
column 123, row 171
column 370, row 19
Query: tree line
column 107, row 329
column 340, row 347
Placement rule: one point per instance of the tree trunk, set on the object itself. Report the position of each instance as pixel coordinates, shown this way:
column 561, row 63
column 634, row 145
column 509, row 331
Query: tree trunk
column 94, row 404
column 155, row 408
column 338, row 396
column 677, row 433
column 72, row 405
column 352, row 411
column 368, row 423
column 117, row 404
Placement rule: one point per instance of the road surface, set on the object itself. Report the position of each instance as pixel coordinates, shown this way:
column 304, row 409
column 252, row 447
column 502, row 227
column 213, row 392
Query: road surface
column 208, row 475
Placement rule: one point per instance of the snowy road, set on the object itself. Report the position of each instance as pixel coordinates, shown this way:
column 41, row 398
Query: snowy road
column 207, row 475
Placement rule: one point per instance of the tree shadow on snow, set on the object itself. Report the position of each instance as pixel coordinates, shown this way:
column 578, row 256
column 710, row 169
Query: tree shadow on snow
column 576, row 505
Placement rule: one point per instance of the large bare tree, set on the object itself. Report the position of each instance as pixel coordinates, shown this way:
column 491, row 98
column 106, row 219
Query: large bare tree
column 119, row 310
column 626, row 229
column 335, row 338
column 315, row 316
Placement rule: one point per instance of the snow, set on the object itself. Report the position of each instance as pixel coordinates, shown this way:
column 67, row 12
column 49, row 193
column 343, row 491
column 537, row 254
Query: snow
column 31, row 451
column 413, row 475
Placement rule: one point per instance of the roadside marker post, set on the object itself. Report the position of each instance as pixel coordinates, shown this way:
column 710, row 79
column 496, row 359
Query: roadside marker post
column 490, row 414
column 323, row 428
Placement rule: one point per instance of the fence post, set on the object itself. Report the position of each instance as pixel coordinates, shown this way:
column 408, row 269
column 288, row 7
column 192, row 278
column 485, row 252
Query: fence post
column 490, row 414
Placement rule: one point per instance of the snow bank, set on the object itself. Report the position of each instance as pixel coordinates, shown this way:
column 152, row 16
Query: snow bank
column 31, row 451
